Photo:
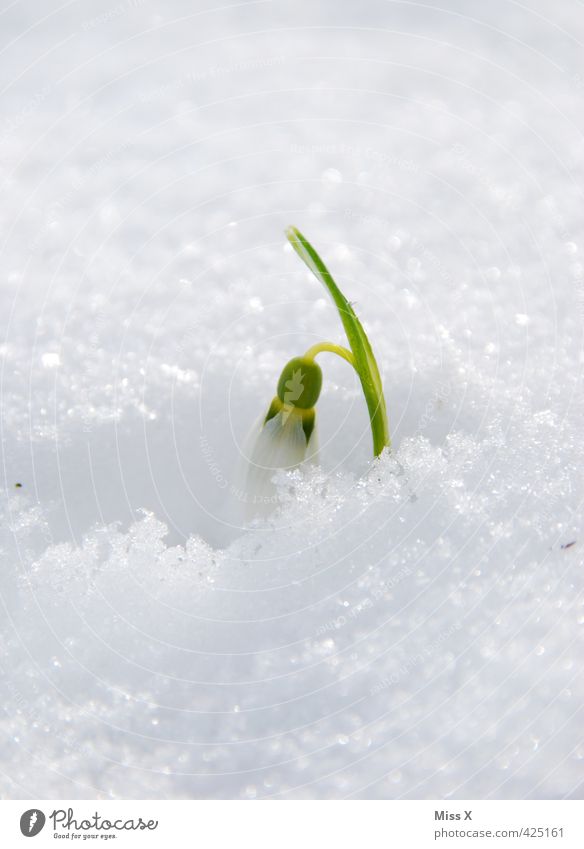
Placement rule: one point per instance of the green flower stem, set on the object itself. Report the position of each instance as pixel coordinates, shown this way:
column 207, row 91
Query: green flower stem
column 364, row 363
column 331, row 348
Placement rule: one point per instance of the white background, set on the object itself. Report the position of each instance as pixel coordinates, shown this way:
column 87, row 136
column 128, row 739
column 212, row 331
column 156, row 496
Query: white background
column 407, row 629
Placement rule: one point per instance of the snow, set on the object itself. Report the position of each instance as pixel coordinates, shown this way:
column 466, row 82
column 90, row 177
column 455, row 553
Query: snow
column 410, row 628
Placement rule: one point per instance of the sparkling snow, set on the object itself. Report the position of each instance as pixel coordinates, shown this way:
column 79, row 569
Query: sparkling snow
column 408, row 628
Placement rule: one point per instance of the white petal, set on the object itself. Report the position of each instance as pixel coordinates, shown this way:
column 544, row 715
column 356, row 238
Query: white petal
column 279, row 444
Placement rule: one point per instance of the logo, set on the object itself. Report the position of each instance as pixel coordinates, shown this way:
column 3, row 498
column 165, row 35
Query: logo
column 31, row 822
column 294, row 389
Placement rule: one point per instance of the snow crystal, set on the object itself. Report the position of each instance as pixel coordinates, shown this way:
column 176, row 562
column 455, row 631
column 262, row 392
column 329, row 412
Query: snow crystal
column 332, row 175
column 50, row 360
column 405, row 628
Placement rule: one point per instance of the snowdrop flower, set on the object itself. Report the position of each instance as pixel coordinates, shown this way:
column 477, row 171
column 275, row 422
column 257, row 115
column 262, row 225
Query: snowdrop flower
column 286, row 436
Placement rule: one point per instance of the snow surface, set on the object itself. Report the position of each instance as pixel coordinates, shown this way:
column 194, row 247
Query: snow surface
column 411, row 628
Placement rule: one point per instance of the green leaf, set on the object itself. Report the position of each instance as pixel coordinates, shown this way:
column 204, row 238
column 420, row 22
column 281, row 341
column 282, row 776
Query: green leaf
column 365, row 363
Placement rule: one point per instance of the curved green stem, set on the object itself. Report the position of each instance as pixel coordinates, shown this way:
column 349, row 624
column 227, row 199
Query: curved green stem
column 331, row 348
column 363, row 358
